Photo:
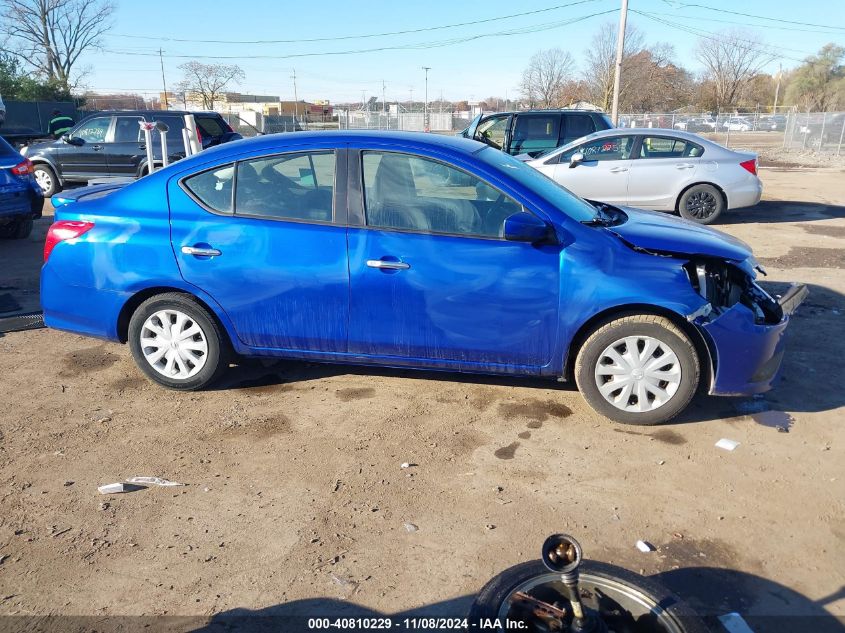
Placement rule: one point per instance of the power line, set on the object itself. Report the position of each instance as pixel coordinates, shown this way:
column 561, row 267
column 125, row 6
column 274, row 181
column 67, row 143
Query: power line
column 762, row 17
column 364, row 36
column 418, row 46
column 761, row 26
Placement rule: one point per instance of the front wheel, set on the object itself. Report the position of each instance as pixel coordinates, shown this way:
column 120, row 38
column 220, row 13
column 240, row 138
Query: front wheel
column 46, row 179
column 177, row 343
column 638, row 369
column 623, row 600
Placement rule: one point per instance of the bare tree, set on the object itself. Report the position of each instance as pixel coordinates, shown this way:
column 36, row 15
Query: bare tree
column 208, row 81
column 547, row 73
column 52, row 34
column 731, row 59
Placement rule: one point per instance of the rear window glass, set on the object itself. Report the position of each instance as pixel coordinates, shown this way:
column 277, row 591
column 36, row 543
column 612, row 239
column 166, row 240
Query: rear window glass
column 7, row 151
column 213, row 188
column 210, row 126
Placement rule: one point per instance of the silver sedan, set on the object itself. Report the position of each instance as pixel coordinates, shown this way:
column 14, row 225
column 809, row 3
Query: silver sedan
column 650, row 168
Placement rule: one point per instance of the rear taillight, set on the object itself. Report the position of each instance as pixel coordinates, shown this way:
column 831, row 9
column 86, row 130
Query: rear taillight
column 64, row 230
column 199, row 136
column 23, row 169
column 750, row 166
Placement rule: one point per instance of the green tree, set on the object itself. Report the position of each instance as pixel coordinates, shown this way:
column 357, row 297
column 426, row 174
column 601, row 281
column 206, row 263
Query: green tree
column 17, row 84
column 819, row 83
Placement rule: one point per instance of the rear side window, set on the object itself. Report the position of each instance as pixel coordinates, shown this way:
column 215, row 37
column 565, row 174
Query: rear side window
column 661, row 147
column 174, row 128
column 213, row 188
column 210, row 126
column 127, row 130
column 533, row 133
column 287, row 187
column 576, row 126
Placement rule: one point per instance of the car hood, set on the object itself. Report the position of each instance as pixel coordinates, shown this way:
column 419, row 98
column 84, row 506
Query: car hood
column 655, row 231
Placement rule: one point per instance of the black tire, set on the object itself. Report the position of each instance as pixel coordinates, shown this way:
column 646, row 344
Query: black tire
column 218, row 346
column 701, row 203
column 659, row 328
column 491, row 597
column 48, row 175
column 23, row 228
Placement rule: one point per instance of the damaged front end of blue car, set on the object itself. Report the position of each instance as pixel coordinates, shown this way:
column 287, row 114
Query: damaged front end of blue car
column 744, row 326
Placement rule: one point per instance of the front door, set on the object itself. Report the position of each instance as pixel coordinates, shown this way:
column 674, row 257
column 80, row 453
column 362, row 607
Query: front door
column 273, row 256
column 85, row 155
column 431, row 278
column 602, row 174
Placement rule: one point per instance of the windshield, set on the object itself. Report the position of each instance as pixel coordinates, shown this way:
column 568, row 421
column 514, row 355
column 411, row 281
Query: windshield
column 524, row 174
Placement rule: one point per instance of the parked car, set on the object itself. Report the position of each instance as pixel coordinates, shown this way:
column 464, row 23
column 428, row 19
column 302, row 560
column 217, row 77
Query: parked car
column 20, row 196
column 108, row 144
column 695, row 124
column 772, row 123
column 663, row 170
column 363, row 248
column 533, row 131
column 737, row 124
column 827, row 129
column 2, row 111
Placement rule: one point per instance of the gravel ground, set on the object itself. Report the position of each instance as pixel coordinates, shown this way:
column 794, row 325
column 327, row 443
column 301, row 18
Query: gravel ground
column 296, row 499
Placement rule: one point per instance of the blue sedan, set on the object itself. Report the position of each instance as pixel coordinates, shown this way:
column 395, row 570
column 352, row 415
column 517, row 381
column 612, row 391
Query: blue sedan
column 409, row 250
column 20, row 196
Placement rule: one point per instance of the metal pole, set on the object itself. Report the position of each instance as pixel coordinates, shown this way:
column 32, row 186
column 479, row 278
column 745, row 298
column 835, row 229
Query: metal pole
column 295, row 100
column 163, row 83
column 821, row 134
column 164, row 161
column 426, row 124
column 841, row 134
column 620, row 50
column 777, row 90
column 148, row 139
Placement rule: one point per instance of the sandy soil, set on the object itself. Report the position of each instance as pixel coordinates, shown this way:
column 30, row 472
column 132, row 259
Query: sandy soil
column 295, row 498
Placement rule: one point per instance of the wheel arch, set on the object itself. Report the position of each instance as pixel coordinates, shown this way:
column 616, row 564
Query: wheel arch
column 41, row 160
column 703, row 346
column 694, row 184
column 139, row 297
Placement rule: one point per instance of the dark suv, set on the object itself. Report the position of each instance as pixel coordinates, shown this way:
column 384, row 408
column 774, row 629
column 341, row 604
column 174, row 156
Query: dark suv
column 108, row 144
column 534, row 131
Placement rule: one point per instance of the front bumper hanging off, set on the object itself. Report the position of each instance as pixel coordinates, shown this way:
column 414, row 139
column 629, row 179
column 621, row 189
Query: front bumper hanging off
column 748, row 354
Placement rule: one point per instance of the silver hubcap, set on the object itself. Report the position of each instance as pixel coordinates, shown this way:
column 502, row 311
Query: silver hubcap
column 43, row 179
column 638, row 373
column 173, row 344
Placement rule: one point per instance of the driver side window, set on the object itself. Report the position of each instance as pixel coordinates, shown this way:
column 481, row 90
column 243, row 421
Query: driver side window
column 94, row 130
column 287, row 187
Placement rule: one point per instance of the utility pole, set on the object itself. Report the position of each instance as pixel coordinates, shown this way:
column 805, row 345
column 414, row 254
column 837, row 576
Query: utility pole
column 164, row 83
column 777, row 89
column 620, row 49
column 426, row 125
column 295, row 100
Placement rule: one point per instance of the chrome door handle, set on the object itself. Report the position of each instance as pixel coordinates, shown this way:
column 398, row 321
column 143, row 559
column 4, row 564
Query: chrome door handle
column 616, row 170
column 202, row 252
column 385, row 265
column 96, row 148
column 684, row 166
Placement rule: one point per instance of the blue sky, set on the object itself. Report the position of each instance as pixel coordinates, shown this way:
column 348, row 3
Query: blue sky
column 491, row 63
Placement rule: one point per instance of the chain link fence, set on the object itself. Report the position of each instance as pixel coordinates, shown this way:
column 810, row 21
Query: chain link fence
column 789, row 131
column 406, row 121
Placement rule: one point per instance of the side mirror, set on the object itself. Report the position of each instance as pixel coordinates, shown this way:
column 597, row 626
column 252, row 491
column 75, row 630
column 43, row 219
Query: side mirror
column 577, row 159
column 527, row 227
column 73, row 140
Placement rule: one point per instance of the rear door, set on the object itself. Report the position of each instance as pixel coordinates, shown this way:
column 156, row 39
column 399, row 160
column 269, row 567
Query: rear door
column 271, row 249
column 663, row 166
column 88, row 158
column 127, row 148
column 603, row 174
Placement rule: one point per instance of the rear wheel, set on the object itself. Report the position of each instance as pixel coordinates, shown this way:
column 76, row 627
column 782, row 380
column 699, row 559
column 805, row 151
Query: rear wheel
column 701, row 203
column 177, row 343
column 46, row 179
column 19, row 229
column 638, row 369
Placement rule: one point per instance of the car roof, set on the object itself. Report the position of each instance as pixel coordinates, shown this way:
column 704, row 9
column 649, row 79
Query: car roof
column 148, row 112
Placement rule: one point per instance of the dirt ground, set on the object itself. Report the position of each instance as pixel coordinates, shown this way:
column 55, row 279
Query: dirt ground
column 296, row 502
